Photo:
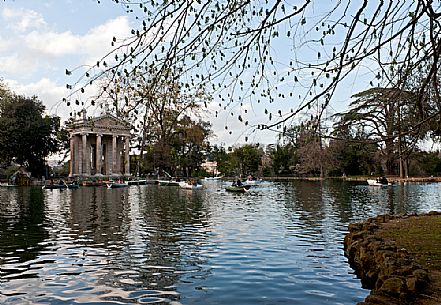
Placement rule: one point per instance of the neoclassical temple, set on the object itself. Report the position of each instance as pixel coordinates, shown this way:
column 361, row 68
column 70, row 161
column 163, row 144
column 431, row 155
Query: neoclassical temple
column 99, row 147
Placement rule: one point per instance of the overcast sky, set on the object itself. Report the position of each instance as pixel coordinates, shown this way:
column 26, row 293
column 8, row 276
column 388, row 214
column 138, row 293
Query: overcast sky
column 39, row 40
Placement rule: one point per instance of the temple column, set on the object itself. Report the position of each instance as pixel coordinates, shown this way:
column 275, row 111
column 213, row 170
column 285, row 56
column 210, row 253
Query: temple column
column 114, row 149
column 127, row 156
column 80, row 157
column 98, row 154
column 72, row 147
column 84, row 157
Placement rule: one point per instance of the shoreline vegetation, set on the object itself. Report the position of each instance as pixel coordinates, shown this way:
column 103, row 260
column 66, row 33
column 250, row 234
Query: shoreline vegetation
column 394, row 179
column 397, row 258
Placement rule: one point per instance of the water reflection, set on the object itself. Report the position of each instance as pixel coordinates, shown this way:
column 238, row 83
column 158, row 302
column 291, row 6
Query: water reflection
column 21, row 225
column 281, row 243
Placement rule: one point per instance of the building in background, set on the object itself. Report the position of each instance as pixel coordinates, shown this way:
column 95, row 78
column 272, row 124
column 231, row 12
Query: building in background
column 99, row 147
column 211, row 167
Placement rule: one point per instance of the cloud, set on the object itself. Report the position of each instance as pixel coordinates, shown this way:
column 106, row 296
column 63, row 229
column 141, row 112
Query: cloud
column 30, row 49
column 15, row 64
column 47, row 91
column 22, row 20
column 52, row 44
column 96, row 42
column 33, row 57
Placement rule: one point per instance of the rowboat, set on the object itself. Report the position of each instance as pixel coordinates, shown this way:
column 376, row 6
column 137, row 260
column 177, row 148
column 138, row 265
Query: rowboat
column 137, row 182
column 94, row 183
column 212, row 178
column 379, row 182
column 237, row 189
column 54, row 186
column 251, row 182
column 168, row 182
column 8, row 185
column 151, row 182
column 60, row 186
column 73, row 186
column 189, row 186
column 115, row 185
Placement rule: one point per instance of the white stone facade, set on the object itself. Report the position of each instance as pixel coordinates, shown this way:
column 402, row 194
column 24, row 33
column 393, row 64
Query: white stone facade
column 99, row 147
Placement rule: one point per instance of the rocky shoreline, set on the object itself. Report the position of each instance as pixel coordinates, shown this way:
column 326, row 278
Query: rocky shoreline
column 389, row 271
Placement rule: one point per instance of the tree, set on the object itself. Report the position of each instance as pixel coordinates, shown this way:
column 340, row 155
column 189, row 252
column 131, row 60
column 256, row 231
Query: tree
column 159, row 110
column 242, row 161
column 190, row 143
column 430, row 163
column 233, row 48
column 386, row 116
column 219, row 154
column 284, row 159
column 27, row 135
column 311, row 152
column 181, row 150
column 351, row 153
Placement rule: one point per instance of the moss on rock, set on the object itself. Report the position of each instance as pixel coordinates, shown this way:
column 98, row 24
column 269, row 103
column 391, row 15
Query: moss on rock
column 384, row 265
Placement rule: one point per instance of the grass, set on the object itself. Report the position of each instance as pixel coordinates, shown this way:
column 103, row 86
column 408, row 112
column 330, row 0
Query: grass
column 420, row 236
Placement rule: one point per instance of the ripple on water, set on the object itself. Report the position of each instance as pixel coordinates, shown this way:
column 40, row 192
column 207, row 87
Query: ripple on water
column 280, row 243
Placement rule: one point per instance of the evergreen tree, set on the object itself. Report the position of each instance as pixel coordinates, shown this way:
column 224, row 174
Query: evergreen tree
column 27, row 134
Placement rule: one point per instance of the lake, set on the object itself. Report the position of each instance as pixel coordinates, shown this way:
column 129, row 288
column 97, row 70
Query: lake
column 281, row 243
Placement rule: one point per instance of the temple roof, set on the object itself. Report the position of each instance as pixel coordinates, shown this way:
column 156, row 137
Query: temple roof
column 101, row 124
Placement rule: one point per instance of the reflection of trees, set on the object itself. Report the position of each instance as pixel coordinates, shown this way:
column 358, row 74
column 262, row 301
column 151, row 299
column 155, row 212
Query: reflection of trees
column 349, row 202
column 306, row 200
column 317, row 201
column 173, row 225
column 400, row 201
column 147, row 234
column 21, row 219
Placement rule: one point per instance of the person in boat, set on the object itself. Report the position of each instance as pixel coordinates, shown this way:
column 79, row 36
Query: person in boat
column 237, row 182
column 382, row 180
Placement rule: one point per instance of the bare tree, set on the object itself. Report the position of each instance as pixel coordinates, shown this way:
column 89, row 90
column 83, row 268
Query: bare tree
column 244, row 51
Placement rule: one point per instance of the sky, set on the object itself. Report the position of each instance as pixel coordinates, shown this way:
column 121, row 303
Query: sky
column 39, row 40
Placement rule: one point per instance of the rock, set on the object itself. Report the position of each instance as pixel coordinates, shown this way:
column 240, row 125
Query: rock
column 411, row 283
column 380, row 300
column 421, row 274
column 392, row 286
column 405, row 270
column 355, row 227
column 390, row 273
column 434, row 213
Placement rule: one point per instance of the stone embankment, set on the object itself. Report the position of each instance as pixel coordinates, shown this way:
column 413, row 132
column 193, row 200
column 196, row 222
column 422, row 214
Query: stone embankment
column 390, row 272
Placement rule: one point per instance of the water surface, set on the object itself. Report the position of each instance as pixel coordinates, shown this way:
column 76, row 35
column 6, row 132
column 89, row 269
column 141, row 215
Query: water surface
column 282, row 243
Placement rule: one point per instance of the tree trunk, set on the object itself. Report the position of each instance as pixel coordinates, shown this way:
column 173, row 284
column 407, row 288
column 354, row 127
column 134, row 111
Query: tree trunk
column 400, row 152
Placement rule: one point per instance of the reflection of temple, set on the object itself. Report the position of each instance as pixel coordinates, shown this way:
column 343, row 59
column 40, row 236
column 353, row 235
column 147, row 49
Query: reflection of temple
column 99, row 146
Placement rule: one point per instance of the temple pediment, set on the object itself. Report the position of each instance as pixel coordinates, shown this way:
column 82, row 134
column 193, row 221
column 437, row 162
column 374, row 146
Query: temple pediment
column 106, row 122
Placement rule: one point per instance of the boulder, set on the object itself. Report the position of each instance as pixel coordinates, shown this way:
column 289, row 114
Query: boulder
column 390, row 273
